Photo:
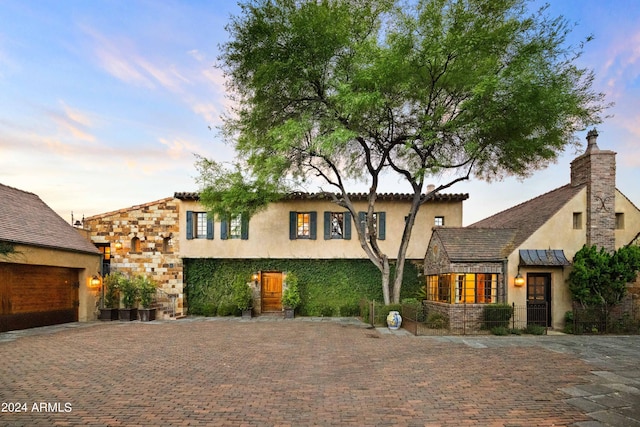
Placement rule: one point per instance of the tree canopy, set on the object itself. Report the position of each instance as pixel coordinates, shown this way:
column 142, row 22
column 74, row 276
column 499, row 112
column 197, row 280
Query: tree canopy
column 347, row 90
column 600, row 278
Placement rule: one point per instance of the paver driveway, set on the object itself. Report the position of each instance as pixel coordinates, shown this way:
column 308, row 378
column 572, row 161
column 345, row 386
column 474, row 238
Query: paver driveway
column 286, row 372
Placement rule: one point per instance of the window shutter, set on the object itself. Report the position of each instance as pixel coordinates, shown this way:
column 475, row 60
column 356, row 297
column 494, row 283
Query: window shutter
column 362, row 221
column 189, row 225
column 347, row 226
column 327, row 225
column 224, row 227
column 313, row 223
column 293, row 217
column 244, row 228
column 382, row 225
column 209, row 228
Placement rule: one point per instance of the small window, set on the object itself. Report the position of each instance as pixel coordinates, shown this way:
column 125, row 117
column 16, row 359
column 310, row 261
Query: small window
column 135, row 245
column 619, row 221
column 379, row 224
column 199, row 226
column 577, row 220
column 439, row 221
column 167, row 245
column 235, row 227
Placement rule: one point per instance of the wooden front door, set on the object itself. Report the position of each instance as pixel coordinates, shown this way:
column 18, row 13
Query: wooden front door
column 271, row 291
column 539, row 299
column 35, row 295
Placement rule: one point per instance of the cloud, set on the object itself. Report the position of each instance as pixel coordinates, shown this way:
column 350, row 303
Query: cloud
column 178, row 148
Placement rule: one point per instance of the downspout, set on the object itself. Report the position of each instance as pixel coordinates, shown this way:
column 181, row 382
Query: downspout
column 505, row 279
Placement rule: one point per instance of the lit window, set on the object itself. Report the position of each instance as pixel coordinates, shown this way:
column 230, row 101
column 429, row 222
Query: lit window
column 459, row 288
column 303, row 225
column 439, row 221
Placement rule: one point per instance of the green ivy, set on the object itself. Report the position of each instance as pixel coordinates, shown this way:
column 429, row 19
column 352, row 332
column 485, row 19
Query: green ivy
column 326, row 286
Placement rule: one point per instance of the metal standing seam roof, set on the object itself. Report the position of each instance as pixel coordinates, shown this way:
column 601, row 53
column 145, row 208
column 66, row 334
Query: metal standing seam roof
column 543, row 257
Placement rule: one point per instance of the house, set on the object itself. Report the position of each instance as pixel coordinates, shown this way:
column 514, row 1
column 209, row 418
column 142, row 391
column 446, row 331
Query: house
column 46, row 266
column 523, row 255
column 143, row 240
column 163, row 239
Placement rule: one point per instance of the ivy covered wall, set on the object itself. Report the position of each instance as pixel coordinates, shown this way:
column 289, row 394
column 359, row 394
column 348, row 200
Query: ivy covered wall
column 327, row 287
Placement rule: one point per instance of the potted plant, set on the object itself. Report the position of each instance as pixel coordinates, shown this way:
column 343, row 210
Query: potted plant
column 146, row 291
column 129, row 292
column 290, row 296
column 243, row 297
column 110, row 297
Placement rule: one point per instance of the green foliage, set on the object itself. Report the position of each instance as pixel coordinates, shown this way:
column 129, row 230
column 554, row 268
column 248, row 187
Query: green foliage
column 352, row 90
column 495, row 315
column 437, row 320
column 291, row 295
column 321, row 283
column 500, row 330
column 111, row 285
column 351, row 309
column 326, row 311
column 599, row 277
column 535, row 330
column 129, row 292
column 7, row 248
column 146, row 290
column 568, row 322
column 242, row 294
column 227, row 307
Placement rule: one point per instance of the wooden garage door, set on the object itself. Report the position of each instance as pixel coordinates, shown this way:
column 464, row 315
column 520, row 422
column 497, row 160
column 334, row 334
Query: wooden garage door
column 36, row 295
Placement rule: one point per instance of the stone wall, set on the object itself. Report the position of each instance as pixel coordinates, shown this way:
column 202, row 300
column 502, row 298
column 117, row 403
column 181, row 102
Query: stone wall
column 155, row 226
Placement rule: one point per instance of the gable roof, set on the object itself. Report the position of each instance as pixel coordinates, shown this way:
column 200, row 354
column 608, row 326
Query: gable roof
column 476, row 244
column 26, row 219
column 192, row 195
column 527, row 217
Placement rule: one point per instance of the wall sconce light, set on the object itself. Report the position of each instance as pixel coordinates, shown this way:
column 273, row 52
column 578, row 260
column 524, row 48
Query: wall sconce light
column 255, row 276
column 95, row 282
column 118, row 245
column 518, row 280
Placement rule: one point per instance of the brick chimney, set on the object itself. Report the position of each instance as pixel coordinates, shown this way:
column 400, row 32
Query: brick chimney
column 597, row 169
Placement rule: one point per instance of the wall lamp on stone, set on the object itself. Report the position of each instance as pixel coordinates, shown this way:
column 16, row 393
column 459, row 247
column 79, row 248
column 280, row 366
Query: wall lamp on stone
column 95, row 282
column 255, row 276
column 118, row 245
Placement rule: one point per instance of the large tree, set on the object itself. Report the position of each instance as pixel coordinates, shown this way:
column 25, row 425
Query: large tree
column 349, row 91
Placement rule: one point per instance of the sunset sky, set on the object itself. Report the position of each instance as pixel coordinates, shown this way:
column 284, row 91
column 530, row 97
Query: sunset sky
column 104, row 103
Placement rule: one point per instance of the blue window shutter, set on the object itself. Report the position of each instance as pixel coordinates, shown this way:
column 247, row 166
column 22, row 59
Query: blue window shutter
column 313, row 224
column 293, row 228
column 244, row 228
column 209, row 228
column 223, row 229
column 382, row 225
column 362, row 221
column 189, row 225
column 327, row 225
column 347, row 225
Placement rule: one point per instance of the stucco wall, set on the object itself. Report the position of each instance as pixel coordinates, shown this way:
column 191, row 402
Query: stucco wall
column 269, row 232
column 88, row 265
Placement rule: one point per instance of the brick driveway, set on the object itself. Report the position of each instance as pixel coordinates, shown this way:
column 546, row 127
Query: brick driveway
column 286, row 372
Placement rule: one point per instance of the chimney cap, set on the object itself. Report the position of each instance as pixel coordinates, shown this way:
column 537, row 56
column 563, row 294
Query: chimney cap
column 592, row 144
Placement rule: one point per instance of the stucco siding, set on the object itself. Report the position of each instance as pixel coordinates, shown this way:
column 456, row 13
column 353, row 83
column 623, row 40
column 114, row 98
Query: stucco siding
column 631, row 220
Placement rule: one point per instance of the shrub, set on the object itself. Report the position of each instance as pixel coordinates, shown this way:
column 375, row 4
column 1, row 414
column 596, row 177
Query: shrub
column 241, row 294
column 226, row 307
column 209, row 309
column 497, row 315
column 146, row 290
column 291, row 295
column 350, row 309
column 534, row 330
column 500, row 330
column 568, row 322
column 129, row 292
column 112, row 289
column 437, row 320
column 326, row 311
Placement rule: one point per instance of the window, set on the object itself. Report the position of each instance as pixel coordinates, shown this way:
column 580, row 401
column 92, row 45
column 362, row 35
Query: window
column 135, row 245
column 459, row 288
column 379, row 223
column 337, row 225
column 619, row 221
column 302, row 225
column 577, row 220
column 167, row 245
column 235, row 228
column 199, row 226
column 439, row 221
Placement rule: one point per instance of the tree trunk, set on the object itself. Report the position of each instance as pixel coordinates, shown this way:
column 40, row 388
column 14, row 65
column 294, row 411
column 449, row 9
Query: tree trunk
column 386, row 276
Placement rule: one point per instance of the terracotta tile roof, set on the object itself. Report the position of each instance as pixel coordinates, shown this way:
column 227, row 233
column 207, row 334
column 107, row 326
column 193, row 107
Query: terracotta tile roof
column 527, row 217
column 184, row 195
column 476, row 244
column 26, row 219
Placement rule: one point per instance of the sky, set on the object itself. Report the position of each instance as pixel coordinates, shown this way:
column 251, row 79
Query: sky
column 104, row 104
